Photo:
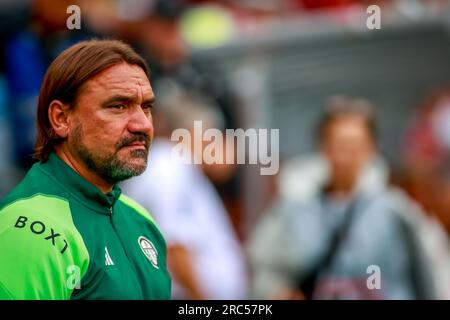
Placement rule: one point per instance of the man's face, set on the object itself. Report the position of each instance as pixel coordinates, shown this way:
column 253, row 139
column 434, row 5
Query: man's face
column 111, row 126
column 348, row 146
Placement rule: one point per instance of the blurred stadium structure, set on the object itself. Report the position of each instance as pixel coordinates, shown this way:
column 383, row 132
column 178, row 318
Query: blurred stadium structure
column 267, row 64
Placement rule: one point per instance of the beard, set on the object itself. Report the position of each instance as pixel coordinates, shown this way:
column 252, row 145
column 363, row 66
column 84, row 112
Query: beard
column 108, row 166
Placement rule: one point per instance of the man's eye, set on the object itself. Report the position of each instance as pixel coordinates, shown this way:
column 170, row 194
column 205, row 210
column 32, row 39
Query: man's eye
column 147, row 107
column 119, row 106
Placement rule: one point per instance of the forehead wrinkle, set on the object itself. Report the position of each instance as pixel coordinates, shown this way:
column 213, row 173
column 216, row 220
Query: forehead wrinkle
column 115, row 81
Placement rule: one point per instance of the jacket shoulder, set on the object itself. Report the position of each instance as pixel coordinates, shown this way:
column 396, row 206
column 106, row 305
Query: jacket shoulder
column 40, row 243
column 136, row 207
column 35, row 181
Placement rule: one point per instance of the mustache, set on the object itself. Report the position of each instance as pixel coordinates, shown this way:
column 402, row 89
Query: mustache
column 136, row 137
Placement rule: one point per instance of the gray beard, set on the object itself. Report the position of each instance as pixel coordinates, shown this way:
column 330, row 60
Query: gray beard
column 109, row 167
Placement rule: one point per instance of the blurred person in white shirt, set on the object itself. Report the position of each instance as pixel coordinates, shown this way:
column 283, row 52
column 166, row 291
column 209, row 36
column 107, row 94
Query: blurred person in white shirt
column 204, row 255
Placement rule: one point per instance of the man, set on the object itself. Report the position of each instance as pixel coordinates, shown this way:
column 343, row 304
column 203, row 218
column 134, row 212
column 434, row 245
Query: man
column 345, row 233
column 66, row 231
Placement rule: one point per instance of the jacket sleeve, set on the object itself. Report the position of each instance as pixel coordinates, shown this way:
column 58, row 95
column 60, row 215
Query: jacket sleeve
column 42, row 254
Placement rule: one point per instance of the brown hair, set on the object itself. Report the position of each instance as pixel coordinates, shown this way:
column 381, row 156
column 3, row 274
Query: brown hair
column 67, row 74
column 340, row 105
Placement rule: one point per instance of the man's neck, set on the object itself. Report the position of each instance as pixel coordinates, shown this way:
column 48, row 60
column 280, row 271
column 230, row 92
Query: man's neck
column 82, row 170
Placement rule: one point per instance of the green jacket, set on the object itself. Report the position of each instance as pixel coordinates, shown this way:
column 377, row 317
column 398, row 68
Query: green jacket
column 62, row 238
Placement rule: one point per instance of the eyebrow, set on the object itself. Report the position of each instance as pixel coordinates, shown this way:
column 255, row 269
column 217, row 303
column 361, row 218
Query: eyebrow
column 127, row 99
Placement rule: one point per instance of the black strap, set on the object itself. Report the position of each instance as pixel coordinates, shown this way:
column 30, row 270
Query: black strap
column 308, row 283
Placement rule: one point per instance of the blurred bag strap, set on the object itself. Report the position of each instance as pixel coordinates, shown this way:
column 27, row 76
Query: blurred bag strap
column 308, row 284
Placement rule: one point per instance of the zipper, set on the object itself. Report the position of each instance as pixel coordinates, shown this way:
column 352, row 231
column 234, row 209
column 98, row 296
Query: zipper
column 136, row 277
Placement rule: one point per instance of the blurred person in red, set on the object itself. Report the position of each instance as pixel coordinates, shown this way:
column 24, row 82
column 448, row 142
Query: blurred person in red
column 426, row 146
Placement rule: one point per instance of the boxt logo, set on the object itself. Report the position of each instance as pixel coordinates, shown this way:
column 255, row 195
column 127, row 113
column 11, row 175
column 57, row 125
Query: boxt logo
column 40, row 229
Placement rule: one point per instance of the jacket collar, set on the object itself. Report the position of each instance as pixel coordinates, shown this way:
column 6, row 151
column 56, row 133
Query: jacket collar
column 79, row 187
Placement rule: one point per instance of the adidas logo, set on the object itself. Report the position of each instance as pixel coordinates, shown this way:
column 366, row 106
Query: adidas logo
column 108, row 260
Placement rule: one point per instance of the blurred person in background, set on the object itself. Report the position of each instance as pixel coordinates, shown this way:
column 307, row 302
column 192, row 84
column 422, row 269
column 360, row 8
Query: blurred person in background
column 204, row 255
column 337, row 218
column 425, row 172
column 33, row 34
column 426, row 148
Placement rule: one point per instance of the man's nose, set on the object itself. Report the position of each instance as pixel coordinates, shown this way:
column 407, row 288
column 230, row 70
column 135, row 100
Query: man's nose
column 140, row 121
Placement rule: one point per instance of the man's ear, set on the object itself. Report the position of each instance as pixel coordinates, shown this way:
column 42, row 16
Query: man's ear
column 58, row 115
